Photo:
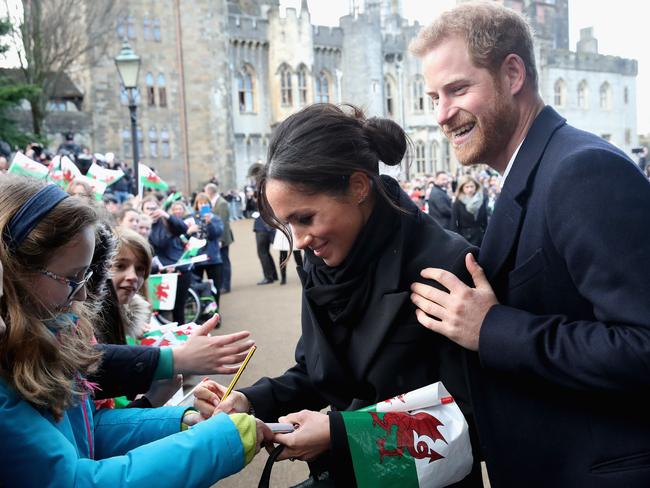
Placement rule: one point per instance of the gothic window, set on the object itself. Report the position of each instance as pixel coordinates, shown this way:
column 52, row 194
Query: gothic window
column 625, row 95
column 418, row 94
column 164, row 143
column 140, row 142
column 389, row 95
column 605, row 96
column 126, row 143
column 153, row 142
column 302, row 86
column 583, row 95
column 322, row 88
column 162, row 90
column 446, row 163
column 420, row 159
column 435, row 154
column 130, row 27
column 146, row 28
column 559, row 91
column 156, row 30
column 121, row 28
column 151, row 91
column 286, row 95
column 628, row 136
column 246, row 90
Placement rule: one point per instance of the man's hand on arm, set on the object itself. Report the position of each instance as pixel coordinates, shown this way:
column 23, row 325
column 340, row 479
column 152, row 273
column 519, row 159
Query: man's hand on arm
column 458, row 314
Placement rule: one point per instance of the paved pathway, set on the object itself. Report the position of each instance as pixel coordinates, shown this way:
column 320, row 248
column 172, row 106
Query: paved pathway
column 272, row 314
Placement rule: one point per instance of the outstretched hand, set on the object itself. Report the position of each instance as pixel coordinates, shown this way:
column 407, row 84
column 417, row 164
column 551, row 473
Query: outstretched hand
column 458, row 314
column 206, row 354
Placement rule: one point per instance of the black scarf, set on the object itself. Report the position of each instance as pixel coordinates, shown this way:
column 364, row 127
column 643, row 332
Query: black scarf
column 340, row 294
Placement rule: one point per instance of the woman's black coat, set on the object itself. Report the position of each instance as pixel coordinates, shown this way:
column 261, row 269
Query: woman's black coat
column 465, row 224
column 392, row 352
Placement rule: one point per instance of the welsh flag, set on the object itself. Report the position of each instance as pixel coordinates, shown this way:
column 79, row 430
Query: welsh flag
column 417, row 439
column 22, row 165
column 108, row 176
column 63, row 171
column 149, row 178
column 167, row 335
column 162, row 290
column 98, row 187
column 192, row 248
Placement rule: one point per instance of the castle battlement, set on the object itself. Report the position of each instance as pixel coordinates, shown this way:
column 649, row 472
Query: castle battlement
column 327, row 36
column 584, row 61
column 248, row 28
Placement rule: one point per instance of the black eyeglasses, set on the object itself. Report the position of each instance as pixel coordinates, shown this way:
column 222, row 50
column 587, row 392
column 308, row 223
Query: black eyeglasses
column 75, row 286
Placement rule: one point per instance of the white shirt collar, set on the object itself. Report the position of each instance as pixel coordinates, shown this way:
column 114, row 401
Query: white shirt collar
column 510, row 163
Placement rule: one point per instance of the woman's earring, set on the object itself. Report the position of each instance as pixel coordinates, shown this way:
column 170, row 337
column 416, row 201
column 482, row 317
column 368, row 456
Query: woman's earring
column 362, row 199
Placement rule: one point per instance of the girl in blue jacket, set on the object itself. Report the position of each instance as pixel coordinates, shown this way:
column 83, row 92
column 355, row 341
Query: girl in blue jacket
column 51, row 434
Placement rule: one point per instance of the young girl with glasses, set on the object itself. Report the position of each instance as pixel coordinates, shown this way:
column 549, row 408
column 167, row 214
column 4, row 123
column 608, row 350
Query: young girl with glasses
column 51, row 434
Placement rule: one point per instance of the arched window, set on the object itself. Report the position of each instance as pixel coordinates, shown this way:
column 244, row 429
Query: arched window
column 322, row 88
column 130, row 27
column 559, row 93
column 153, row 142
column 302, row 86
column 151, row 93
column 418, row 94
column 605, row 96
column 626, row 95
column 156, row 30
column 435, row 157
column 140, row 142
column 146, row 28
column 389, row 95
column 286, row 94
column 583, row 95
column 121, row 28
column 420, row 160
column 246, row 90
column 164, row 143
column 162, row 90
column 446, row 163
column 124, row 95
column 126, row 143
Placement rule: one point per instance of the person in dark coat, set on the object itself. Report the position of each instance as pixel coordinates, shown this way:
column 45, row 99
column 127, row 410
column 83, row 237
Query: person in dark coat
column 469, row 215
column 439, row 201
column 360, row 339
column 560, row 314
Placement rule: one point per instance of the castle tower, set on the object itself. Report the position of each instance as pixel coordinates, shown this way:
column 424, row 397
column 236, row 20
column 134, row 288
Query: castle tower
column 291, row 60
column 362, row 61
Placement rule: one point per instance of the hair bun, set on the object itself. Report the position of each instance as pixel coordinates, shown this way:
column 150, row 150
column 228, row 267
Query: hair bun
column 386, row 138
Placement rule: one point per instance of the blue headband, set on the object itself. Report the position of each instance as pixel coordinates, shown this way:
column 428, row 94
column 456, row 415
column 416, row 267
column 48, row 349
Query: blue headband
column 30, row 214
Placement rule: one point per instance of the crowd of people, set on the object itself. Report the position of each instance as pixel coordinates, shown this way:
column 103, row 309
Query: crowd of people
column 519, row 284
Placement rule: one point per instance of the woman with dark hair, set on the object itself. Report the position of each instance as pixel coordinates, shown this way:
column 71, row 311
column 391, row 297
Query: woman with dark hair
column 365, row 242
column 469, row 213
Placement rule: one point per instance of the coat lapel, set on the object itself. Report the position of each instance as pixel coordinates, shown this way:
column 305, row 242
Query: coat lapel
column 503, row 229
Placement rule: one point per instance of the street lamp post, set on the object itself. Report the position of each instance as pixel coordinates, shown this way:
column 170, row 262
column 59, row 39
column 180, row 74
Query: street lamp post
column 128, row 67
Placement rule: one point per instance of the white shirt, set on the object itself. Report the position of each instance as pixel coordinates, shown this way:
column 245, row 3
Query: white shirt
column 510, row 163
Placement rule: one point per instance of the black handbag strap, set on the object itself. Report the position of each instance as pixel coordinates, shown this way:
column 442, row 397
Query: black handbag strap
column 265, row 480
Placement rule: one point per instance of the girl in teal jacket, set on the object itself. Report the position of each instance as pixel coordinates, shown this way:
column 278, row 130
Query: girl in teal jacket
column 51, row 434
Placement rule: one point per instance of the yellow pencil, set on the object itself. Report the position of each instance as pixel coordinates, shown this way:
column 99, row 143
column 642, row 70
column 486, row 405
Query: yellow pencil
column 234, row 381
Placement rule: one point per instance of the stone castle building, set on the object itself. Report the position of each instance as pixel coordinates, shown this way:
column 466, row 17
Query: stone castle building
column 218, row 75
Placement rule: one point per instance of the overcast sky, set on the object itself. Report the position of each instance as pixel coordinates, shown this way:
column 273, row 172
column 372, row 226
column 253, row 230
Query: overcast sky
column 620, row 27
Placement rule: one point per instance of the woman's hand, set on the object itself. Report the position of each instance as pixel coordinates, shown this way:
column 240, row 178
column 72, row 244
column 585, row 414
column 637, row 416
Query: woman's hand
column 159, row 213
column 193, row 229
column 310, row 439
column 206, row 354
column 207, row 400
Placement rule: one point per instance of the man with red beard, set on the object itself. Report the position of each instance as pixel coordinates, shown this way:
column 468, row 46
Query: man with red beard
column 559, row 315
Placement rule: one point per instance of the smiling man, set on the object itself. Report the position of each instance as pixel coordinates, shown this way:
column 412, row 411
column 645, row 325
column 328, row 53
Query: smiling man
column 559, row 313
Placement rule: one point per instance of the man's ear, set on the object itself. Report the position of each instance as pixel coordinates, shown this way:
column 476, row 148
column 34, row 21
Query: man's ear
column 513, row 71
column 359, row 188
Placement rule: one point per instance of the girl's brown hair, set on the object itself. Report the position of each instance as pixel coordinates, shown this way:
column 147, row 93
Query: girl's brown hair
column 43, row 367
